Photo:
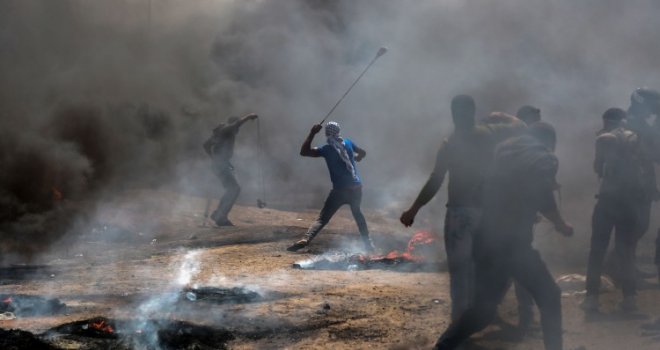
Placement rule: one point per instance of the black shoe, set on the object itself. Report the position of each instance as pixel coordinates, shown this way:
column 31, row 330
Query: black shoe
column 525, row 319
column 223, row 223
column 298, row 245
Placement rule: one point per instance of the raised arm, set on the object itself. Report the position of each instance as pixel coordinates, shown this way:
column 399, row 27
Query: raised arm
column 244, row 119
column 431, row 187
column 306, row 150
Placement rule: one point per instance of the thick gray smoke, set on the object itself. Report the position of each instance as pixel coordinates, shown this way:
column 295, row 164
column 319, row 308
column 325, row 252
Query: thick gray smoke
column 99, row 96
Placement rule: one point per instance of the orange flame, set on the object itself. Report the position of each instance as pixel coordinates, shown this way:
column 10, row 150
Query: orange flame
column 57, row 194
column 102, row 326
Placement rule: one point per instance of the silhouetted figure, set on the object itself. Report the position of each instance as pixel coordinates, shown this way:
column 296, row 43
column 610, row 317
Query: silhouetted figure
column 220, row 147
column 644, row 104
column 340, row 156
column 529, row 115
column 465, row 156
column 519, row 185
column 622, row 200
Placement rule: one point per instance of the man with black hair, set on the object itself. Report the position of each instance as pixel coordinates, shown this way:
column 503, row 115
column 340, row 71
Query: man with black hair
column 624, row 175
column 220, row 147
column 520, row 184
column 529, row 114
column 465, row 156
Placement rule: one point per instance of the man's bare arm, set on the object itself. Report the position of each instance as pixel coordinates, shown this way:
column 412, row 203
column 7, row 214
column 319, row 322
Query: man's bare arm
column 306, row 149
column 431, row 187
column 251, row 116
column 550, row 210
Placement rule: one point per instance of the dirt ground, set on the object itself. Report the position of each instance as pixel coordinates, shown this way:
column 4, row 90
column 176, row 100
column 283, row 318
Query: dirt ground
column 152, row 242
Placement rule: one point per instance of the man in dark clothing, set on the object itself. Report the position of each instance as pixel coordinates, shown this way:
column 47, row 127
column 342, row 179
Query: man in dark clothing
column 340, row 155
column 220, row 147
column 465, row 156
column 519, row 185
column 622, row 199
column 645, row 103
column 529, row 115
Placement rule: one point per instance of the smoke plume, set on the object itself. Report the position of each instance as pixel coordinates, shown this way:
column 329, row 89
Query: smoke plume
column 102, row 96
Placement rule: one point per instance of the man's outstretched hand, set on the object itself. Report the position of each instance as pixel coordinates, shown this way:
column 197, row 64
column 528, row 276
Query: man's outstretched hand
column 315, row 129
column 251, row 116
column 408, row 217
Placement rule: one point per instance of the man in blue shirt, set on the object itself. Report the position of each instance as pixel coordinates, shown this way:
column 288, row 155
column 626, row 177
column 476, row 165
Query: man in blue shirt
column 340, row 155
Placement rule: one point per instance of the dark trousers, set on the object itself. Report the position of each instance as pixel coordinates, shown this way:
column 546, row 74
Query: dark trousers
column 338, row 197
column 460, row 225
column 225, row 172
column 624, row 218
column 657, row 251
column 525, row 305
column 525, row 266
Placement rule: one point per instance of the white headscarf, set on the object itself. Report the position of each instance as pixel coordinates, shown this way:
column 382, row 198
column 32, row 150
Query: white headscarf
column 332, row 131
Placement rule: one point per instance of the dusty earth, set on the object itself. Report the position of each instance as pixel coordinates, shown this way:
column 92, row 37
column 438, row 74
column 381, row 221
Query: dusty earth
column 149, row 243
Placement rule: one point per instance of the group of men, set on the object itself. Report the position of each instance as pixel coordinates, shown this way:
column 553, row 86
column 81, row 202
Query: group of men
column 501, row 181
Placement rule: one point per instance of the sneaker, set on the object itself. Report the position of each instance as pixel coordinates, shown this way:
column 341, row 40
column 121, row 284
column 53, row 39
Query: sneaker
column 628, row 304
column 298, row 245
column 590, row 304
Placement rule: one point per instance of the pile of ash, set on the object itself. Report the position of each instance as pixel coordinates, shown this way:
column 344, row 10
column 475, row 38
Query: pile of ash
column 220, row 295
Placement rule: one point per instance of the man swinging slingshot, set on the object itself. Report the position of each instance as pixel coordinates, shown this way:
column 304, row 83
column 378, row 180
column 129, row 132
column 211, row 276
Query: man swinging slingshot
column 220, row 147
column 340, row 155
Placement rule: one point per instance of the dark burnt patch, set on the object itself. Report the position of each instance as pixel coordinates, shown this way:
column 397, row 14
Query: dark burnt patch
column 105, row 333
column 217, row 295
column 18, row 339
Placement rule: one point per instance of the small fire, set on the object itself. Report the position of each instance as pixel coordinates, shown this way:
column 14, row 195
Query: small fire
column 420, row 248
column 102, row 326
column 57, row 194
